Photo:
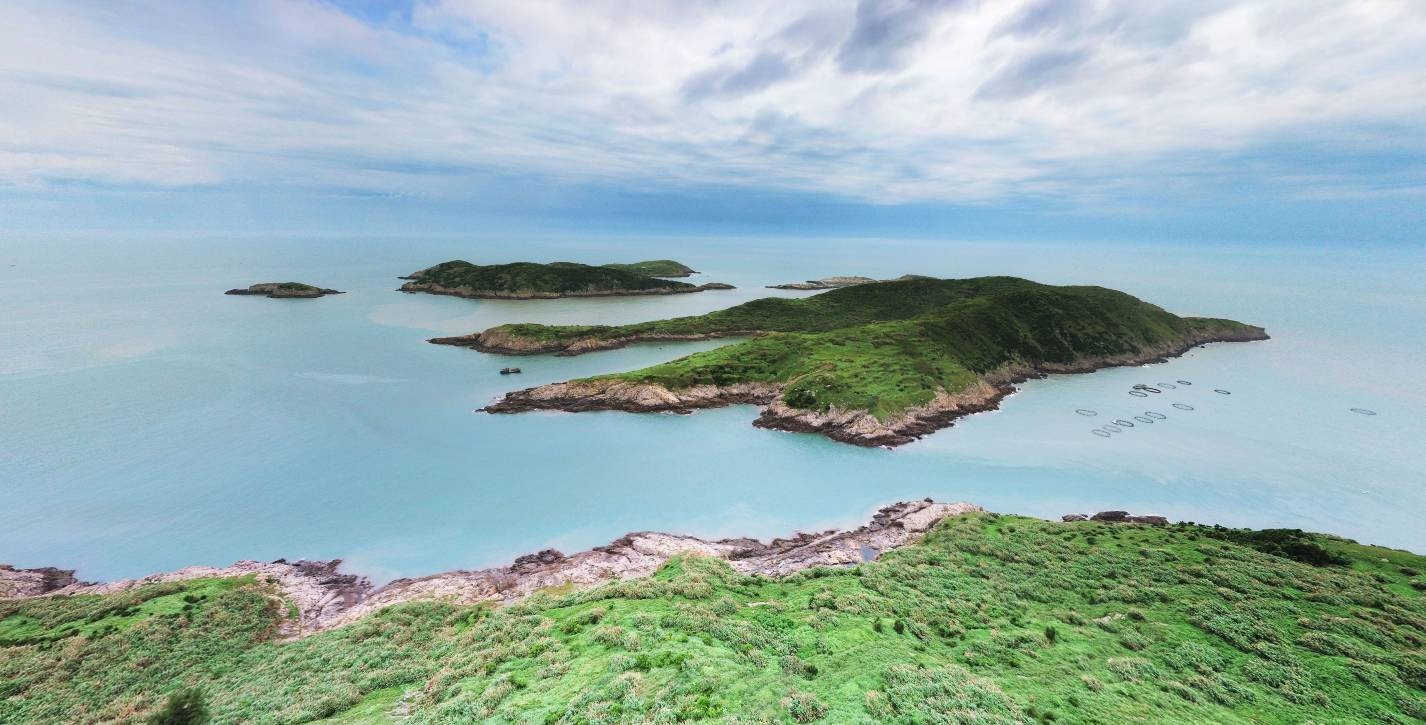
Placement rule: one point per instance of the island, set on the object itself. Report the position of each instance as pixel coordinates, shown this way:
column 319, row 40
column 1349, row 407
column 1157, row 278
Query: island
column 930, row 612
column 656, row 268
column 532, row 280
column 875, row 364
column 835, row 282
column 284, row 290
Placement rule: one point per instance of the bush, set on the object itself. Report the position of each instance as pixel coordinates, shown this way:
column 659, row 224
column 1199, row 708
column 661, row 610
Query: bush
column 183, row 708
column 804, row 706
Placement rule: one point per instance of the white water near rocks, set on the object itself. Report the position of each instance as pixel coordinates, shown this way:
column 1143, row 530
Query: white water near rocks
column 148, row 422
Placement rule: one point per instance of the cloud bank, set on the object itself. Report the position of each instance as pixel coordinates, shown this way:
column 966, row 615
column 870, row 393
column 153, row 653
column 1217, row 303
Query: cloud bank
column 882, row 101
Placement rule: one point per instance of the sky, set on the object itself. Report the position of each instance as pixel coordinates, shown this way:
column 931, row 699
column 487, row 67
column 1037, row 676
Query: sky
column 1202, row 120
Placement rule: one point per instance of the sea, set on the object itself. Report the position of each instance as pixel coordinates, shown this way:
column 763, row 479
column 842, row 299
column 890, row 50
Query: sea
column 149, row 422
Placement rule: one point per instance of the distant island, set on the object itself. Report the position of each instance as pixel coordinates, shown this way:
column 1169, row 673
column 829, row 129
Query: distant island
column 284, row 290
column 929, row 613
column 872, row 364
column 837, row 282
column 656, row 268
column 531, row 280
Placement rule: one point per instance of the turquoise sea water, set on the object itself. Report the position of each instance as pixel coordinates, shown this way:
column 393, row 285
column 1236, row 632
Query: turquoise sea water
column 149, row 422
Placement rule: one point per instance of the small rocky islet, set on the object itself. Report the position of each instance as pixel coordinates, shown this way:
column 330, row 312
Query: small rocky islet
column 827, row 283
column 284, row 290
column 553, row 280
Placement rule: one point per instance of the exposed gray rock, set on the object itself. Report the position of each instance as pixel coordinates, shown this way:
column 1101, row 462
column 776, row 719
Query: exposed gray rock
column 325, row 598
column 1119, row 517
column 15, row 583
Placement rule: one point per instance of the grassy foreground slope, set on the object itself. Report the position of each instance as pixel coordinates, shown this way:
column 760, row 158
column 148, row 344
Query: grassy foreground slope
column 991, row 619
column 889, row 346
column 555, row 279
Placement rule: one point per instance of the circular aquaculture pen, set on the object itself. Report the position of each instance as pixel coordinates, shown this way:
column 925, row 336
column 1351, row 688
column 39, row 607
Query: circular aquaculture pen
column 1363, row 411
column 1100, row 433
column 1138, row 393
column 1155, row 416
column 1221, row 391
column 1086, row 412
column 1183, row 406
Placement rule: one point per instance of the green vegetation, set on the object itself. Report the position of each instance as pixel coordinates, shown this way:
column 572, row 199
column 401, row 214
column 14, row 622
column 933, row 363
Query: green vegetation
column 993, row 619
column 555, row 278
column 656, row 268
column 889, row 346
column 183, row 708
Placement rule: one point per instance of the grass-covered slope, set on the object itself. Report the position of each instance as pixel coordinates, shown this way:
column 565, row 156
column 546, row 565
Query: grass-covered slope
column 656, row 268
column 992, row 619
column 531, row 279
column 891, row 346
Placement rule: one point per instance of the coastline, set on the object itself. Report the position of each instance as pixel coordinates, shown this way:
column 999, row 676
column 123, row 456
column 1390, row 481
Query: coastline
column 325, row 599
column 857, row 427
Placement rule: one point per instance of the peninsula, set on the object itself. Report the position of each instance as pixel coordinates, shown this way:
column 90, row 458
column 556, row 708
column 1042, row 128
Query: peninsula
column 928, row 609
column 283, row 290
column 531, row 280
column 875, row 364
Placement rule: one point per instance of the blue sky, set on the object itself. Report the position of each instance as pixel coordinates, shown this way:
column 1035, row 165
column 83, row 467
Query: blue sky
column 1212, row 120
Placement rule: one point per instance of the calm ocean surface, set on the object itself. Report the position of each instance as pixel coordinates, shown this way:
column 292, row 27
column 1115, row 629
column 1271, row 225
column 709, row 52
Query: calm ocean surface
column 149, row 422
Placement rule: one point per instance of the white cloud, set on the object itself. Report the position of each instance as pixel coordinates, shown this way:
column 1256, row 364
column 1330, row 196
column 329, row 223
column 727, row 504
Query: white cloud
column 895, row 100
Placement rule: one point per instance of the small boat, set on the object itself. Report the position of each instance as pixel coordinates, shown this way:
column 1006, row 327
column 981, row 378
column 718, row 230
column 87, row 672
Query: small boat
column 509, row 371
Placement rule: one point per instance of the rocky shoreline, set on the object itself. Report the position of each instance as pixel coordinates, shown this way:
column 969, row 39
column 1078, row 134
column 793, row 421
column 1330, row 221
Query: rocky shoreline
column 525, row 294
column 857, row 427
column 325, row 598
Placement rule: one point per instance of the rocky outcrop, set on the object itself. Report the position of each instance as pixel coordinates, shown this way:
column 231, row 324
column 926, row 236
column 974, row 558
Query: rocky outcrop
column 15, row 583
column 858, row 427
column 283, row 290
column 315, row 588
column 641, row 554
column 609, row 394
column 497, row 340
column 1123, row 517
column 325, row 598
column 416, row 285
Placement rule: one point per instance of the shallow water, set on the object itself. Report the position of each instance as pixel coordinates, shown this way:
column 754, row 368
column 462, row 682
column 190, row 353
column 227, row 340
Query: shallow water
column 149, row 422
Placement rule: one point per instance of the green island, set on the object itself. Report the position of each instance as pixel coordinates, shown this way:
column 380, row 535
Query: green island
column 986, row 619
column 532, row 280
column 874, row 364
column 656, row 268
column 283, row 290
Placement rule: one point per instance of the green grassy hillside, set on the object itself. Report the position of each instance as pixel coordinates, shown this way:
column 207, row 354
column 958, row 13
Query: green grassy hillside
column 656, row 268
column 552, row 278
column 992, row 619
column 889, row 346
